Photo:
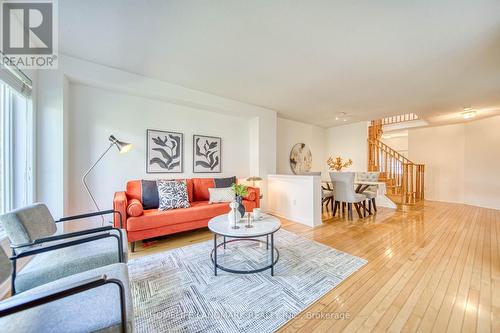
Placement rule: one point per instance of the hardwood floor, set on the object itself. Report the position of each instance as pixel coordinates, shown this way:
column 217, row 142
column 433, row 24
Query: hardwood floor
column 432, row 267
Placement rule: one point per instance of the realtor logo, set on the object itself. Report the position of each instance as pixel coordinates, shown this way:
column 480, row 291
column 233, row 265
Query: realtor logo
column 29, row 34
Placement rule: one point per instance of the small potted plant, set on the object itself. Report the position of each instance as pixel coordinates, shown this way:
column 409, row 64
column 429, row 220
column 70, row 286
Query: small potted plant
column 240, row 191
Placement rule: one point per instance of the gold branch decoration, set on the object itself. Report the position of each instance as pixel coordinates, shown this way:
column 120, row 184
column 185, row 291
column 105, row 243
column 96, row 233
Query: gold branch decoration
column 338, row 163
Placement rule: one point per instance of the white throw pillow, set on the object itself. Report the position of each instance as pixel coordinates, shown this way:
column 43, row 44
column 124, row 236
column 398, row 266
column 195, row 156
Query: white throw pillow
column 224, row 194
column 172, row 194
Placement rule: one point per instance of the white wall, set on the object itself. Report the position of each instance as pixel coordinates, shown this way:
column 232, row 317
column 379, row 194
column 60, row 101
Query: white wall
column 49, row 116
column 462, row 161
column 397, row 141
column 296, row 197
column 349, row 141
column 291, row 132
column 85, row 101
column 95, row 113
column 482, row 163
column 441, row 149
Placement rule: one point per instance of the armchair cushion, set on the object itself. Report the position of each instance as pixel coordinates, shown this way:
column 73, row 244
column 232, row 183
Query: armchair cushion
column 27, row 224
column 5, row 266
column 52, row 265
column 135, row 208
column 92, row 310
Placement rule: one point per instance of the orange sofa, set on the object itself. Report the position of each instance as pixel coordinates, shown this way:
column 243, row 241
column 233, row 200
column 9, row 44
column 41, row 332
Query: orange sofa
column 142, row 224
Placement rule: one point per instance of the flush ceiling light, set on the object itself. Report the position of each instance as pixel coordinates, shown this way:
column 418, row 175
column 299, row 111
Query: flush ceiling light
column 341, row 116
column 468, row 113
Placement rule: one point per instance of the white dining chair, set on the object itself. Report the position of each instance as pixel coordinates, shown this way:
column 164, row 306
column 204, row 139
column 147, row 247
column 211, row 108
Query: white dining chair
column 371, row 191
column 343, row 184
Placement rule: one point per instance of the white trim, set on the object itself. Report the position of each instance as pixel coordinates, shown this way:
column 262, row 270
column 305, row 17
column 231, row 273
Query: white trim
column 7, row 152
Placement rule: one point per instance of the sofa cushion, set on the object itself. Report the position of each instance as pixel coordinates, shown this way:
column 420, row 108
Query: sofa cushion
column 134, row 208
column 149, row 194
column 89, row 311
column 249, row 205
column 200, row 188
column 225, row 194
column 173, row 194
column 153, row 218
column 189, row 185
column 251, row 194
column 134, row 190
column 199, row 210
column 224, row 182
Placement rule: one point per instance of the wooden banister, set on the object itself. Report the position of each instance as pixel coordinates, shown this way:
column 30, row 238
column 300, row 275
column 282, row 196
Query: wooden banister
column 403, row 177
column 398, row 119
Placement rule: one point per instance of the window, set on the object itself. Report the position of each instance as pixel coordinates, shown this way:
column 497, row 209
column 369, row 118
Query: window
column 16, row 149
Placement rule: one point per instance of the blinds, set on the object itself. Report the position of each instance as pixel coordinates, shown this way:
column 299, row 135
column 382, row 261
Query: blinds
column 15, row 78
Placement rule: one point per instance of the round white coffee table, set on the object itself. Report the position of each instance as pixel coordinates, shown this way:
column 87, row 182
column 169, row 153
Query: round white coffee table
column 266, row 226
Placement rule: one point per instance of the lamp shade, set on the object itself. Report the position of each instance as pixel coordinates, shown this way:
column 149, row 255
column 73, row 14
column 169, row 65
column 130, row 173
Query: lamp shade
column 123, row 147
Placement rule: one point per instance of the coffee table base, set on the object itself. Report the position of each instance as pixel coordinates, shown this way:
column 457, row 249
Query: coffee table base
column 274, row 258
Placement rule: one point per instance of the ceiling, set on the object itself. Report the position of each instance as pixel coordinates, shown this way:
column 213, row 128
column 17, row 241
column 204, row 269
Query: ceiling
column 308, row 60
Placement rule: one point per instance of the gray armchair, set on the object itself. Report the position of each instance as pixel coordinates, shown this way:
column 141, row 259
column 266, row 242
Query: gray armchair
column 343, row 184
column 96, row 300
column 32, row 232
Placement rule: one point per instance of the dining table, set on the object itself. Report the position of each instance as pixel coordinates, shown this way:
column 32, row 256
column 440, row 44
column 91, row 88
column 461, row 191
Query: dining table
column 361, row 186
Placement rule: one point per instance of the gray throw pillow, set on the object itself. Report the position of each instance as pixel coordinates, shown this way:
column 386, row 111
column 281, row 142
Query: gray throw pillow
column 224, row 182
column 149, row 193
column 172, row 194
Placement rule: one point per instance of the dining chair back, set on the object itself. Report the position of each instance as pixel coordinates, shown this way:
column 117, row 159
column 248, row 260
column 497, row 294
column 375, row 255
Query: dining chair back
column 368, row 177
column 343, row 187
column 371, row 191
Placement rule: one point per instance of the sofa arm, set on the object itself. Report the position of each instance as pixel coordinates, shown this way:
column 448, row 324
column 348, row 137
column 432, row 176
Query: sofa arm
column 120, row 203
column 254, row 195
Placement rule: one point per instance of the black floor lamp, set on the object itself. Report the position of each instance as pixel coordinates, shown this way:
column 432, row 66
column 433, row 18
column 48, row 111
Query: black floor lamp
column 123, row 147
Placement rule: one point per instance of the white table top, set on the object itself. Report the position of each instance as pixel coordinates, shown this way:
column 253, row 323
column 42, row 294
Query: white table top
column 364, row 182
column 267, row 225
column 357, row 182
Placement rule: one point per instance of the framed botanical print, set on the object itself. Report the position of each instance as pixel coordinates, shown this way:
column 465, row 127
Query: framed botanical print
column 165, row 152
column 207, row 154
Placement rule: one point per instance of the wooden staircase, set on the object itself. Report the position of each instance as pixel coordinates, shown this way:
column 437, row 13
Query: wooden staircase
column 404, row 179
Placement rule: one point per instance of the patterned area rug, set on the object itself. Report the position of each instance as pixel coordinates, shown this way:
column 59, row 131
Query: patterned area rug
column 176, row 291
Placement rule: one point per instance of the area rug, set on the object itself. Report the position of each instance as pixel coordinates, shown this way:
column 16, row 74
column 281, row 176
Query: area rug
column 176, row 291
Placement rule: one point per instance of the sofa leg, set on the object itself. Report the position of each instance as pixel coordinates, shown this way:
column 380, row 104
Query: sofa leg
column 132, row 246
